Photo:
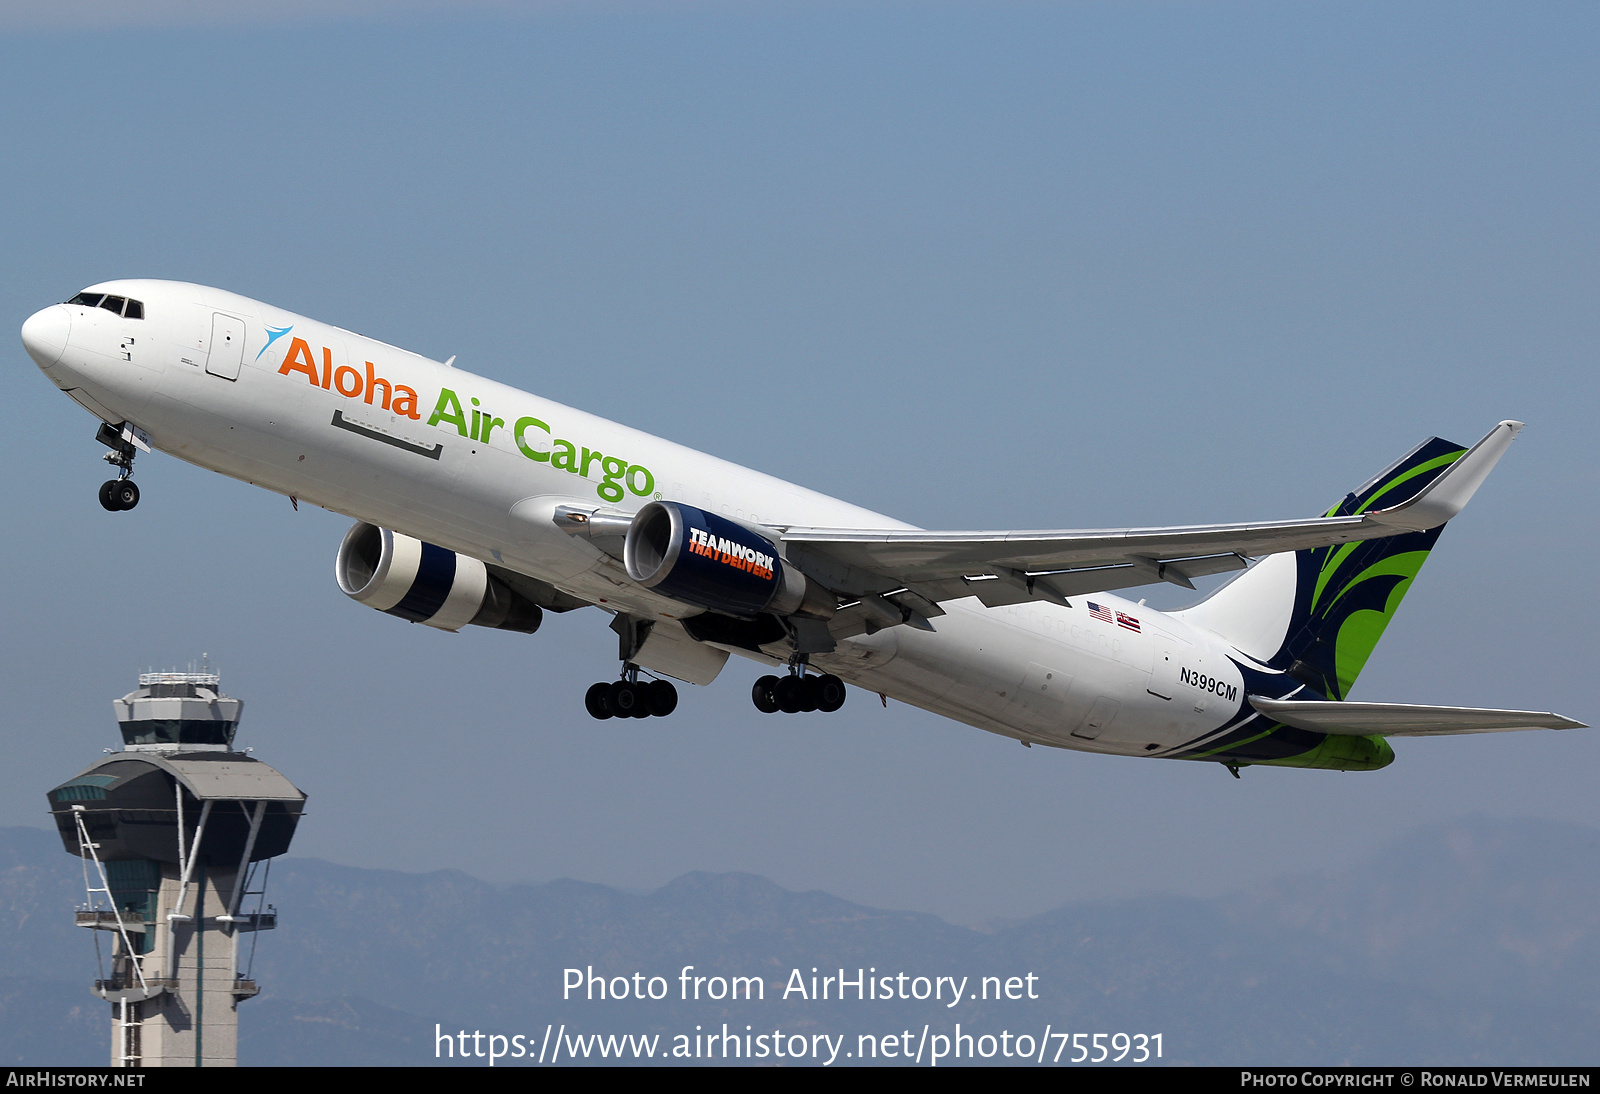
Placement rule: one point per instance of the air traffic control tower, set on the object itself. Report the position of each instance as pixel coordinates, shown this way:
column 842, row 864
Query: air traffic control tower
column 175, row 832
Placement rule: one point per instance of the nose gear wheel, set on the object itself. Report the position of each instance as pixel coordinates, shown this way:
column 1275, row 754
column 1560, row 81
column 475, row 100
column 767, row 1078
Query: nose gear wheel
column 118, row 494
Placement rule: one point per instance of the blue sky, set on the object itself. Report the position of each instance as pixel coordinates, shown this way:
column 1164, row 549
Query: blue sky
column 971, row 265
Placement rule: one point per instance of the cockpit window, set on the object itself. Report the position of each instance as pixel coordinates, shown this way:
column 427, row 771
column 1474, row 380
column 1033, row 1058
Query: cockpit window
column 119, row 305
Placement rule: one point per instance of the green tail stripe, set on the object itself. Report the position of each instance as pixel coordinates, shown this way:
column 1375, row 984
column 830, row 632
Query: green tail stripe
column 1359, row 633
column 1346, row 594
column 1403, row 565
column 1341, row 553
column 1329, row 568
column 1339, row 753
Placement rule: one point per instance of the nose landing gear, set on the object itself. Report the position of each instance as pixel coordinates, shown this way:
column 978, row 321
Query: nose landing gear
column 119, row 493
column 798, row 693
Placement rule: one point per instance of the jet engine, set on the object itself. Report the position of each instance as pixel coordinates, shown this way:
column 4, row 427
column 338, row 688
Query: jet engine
column 707, row 560
column 418, row 581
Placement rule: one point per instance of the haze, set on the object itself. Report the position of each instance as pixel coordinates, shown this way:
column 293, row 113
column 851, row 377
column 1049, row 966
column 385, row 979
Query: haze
column 997, row 266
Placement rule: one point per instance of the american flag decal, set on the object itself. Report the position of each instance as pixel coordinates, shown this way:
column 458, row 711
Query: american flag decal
column 1126, row 620
column 1100, row 612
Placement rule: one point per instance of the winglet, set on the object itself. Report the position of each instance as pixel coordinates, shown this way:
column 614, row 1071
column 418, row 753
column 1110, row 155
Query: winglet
column 1448, row 494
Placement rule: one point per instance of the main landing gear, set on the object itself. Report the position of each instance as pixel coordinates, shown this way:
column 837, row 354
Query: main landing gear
column 121, row 492
column 631, row 697
column 796, row 692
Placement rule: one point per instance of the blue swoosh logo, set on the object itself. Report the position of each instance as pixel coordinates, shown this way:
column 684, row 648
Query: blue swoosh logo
column 273, row 334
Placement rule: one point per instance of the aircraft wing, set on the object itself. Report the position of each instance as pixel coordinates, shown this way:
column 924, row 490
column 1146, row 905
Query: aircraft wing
column 1402, row 719
column 1015, row 567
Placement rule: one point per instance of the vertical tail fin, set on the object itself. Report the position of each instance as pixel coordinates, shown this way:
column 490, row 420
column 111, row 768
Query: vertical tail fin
column 1317, row 614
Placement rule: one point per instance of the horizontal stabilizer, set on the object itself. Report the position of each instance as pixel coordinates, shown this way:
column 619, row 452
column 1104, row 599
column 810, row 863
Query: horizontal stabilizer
column 1403, row 719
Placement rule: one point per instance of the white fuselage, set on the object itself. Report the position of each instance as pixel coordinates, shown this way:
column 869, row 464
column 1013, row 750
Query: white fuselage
column 199, row 374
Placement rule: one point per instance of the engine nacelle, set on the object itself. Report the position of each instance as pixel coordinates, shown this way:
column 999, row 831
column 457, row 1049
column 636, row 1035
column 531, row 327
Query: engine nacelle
column 418, row 581
column 712, row 562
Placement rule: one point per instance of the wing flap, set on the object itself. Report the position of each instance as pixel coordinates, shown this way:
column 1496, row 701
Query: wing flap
column 1403, row 719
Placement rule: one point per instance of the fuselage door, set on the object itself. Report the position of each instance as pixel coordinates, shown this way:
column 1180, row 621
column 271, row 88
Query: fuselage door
column 227, row 346
column 1099, row 718
column 1164, row 673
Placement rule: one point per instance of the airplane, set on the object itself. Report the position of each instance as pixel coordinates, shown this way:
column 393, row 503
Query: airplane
column 479, row 504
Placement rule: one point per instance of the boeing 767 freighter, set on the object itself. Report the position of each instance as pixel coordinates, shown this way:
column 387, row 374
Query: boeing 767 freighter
column 476, row 503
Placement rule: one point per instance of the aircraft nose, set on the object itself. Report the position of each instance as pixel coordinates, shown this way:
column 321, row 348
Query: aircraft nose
column 45, row 333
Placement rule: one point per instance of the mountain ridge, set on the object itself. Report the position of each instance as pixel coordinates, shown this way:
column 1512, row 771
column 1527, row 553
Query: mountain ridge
column 1469, row 941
